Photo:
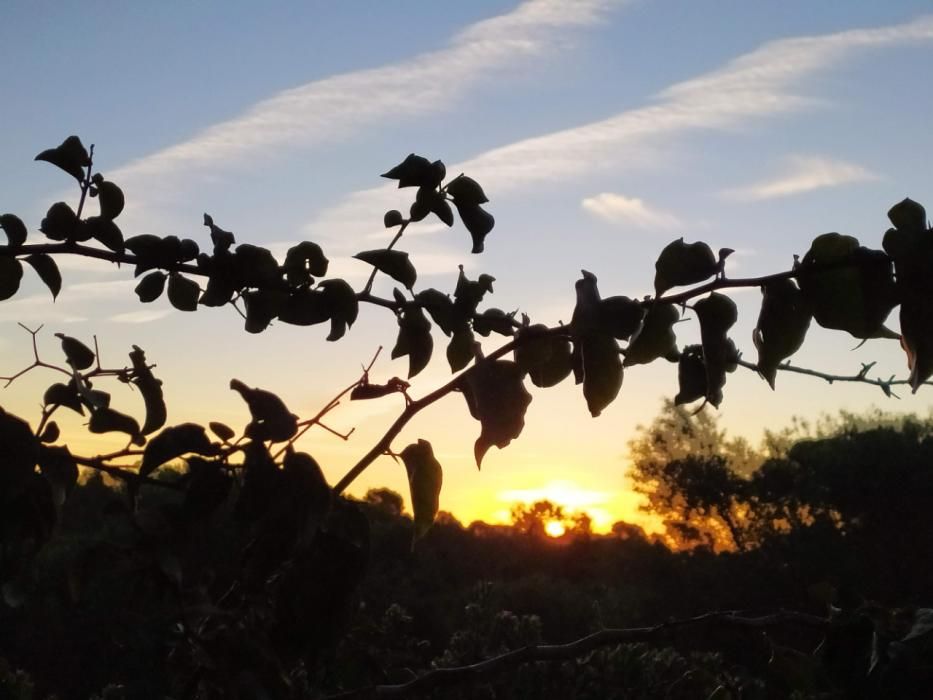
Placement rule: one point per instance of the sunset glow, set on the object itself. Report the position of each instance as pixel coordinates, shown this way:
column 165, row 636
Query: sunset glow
column 555, row 528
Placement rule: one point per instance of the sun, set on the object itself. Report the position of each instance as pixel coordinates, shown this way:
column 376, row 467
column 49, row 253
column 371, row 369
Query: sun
column 555, row 528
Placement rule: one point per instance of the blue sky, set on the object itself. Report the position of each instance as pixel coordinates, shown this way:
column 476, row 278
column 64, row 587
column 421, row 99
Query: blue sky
column 600, row 130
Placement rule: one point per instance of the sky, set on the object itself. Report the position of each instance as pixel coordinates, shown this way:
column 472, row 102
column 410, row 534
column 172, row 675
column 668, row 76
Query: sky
column 600, row 130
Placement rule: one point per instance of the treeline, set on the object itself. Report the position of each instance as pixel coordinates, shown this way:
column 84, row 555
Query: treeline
column 838, row 526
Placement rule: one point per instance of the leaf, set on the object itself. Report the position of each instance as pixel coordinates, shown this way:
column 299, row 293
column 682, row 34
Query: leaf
column 546, row 358
column 393, row 218
column 414, row 339
column 342, row 306
column 63, row 395
column 172, row 443
column 151, row 390
column 255, row 266
column 304, row 307
column 60, row 470
column 460, row 348
column 497, row 398
column 105, row 231
column 111, row 199
column 304, row 260
column 50, row 433
column 261, row 307
column 465, row 190
column 107, row 420
column 600, row 370
column 494, row 321
column 417, row 171
column 271, row 418
column 151, row 286
column 469, row 293
column 11, row 273
column 478, row 222
column 691, row 375
column 20, row 452
column 655, row 338
column 45, row 267
column 70, row 155
column 182, row 292
column 60, row 222
column 14, row 228
column 221, row 430
column 586, row 311
column 620, row 316
column 393, row 263
column 78, row 355
column 305, row 481
column 716, row 313
column 425, row 478
column 439, row 306
column 910, row 244
column 208, row 487
column 683, row 264
column 782, row 326
column 847, row 286
column 221, row 239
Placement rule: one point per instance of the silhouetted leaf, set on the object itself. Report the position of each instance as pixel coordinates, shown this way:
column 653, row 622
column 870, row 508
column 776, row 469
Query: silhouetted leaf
column 78, row 355
column 14, row 228
column 63, row 395
column 261, row 307
column 45, row 267
column 207, row 489
column 172, row 443
column 70, row 155
column 107, row 420
column 147, row 249
column 11, row 273
column 342, row 306
column 393, row 218
column 304, row 307
column 50, row 433
column 910, row 244
column 621, row 317
column 478, row 222
column 691, row 375
column 151, row 286
column 782, row 326
column 304, row 260
column 599, row 363
column 219, row 290
column 394, row 263
column 221, row 239
column 59, row 469
column 183, row 292
column 460, row 348
column 271, row 418
column 716, row 313
column 305, row 482
column 255, row 266
column 655, row 338
column 469, row 293
column 497, row 398
column 60, row 222
column 587, row 314
column 439, row 306
column 856, row 295
column 494, row 321
column 221, row 430
column 414, row 339
column 546, row 358
column 415, row 171
column 151, row 390
column 105, row 231
column 425, row 477
column 682, row 264
column 111, row 199
column 20, row 452
column 465, row 190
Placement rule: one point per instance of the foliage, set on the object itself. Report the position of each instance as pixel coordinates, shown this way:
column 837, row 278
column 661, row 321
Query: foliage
column 244, row 562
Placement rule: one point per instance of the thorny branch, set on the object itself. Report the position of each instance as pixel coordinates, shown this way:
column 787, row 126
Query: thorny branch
column 579, row 647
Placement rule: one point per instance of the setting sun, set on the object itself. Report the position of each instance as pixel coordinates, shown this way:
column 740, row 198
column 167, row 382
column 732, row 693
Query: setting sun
column 555, row 528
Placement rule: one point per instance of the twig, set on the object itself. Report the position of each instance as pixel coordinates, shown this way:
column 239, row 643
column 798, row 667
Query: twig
column 372, row 275
column 860, row 377
column 579, row 647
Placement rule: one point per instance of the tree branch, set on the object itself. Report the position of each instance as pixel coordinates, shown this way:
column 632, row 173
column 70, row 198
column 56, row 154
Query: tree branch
column 861, row 377
column 562, row 652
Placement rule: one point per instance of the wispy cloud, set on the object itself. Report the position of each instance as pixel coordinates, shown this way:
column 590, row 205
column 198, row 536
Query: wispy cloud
column 324, row 110
column 144, row 316
column 619, row 209
column 803, row 174
column 766, row 82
